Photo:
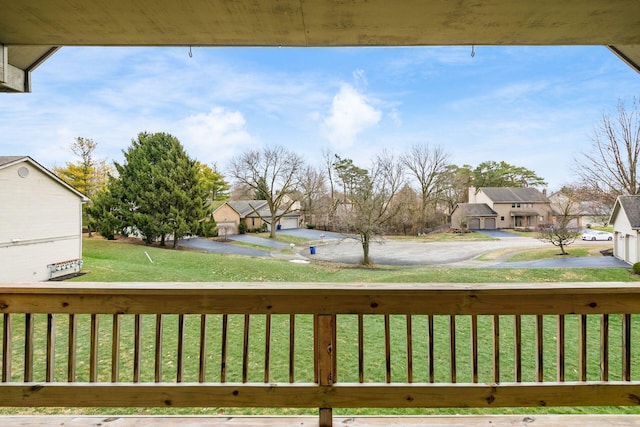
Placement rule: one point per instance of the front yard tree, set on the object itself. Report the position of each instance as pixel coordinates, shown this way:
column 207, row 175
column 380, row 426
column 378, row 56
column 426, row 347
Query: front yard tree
column 368, row 195
column 213, row 180
column 161, row 189
column 566, row 209
column 272, row 173
column 426, row 166
column 88, row 175
column 503, row 174
column 312, row 189
column 610, row 168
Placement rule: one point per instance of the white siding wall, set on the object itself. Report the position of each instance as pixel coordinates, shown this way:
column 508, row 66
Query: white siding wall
column 40, row 224
column 625, row 240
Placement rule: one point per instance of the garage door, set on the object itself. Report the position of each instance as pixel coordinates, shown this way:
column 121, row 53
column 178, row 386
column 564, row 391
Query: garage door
column 490, row 223
column 227, row 228
column 289, row 223
column 474, row 224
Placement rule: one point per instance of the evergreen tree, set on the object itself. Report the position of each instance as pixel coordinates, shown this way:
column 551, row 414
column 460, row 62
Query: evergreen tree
column 503, row 174
column 161, row 188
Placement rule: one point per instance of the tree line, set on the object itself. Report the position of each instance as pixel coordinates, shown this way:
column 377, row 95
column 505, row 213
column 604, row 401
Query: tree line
column 159, row 192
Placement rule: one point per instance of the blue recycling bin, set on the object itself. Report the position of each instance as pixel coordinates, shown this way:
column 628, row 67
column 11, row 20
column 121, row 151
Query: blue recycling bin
column 279, row 227
column 312, row 250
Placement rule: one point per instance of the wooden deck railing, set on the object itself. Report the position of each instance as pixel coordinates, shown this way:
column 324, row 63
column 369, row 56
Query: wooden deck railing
column 292, row 345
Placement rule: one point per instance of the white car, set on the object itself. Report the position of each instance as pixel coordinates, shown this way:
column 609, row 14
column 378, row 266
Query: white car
column 597, row 235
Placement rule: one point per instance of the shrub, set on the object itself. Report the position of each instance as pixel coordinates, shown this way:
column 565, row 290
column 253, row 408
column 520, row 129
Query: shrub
column 242, row 228
column 311, row 226
column 635, row 268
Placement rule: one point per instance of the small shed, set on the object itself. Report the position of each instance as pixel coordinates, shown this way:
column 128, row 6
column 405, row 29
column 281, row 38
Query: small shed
column 40, row 222
column 625, row 219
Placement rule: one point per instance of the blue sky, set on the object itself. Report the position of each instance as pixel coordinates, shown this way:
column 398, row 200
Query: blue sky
column 529, row 106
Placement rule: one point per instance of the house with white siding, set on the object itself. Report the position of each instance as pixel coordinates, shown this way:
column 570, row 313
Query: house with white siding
column 40, row 222
column 625, row 219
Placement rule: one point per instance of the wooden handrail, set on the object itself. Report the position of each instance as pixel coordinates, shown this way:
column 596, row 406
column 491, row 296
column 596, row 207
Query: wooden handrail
column 437, row 329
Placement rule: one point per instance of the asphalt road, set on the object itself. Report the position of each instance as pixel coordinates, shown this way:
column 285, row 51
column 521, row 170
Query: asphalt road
column 334, row 247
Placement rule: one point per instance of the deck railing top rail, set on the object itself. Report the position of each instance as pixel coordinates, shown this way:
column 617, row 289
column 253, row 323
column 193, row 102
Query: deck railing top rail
column 320, row 298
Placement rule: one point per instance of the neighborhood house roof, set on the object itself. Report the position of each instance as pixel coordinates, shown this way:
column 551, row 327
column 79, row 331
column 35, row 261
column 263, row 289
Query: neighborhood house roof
column 476, row 209
column 6, row 161
column 514, row 194
column 248, row 208
column 631, row 207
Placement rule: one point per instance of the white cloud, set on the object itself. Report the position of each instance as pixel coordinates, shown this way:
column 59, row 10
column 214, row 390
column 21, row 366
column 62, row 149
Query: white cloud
column 350, row 115
column 216, row 136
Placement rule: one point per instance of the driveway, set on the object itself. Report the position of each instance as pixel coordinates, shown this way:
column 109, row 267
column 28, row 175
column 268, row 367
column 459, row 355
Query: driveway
column 219, row 247
column 335, row 247
column 255, row 240
column 416, row 252
column 564, row 262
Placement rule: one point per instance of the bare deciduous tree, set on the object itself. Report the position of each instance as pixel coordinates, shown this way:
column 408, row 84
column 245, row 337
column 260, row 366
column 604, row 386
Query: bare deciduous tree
column 312, row 188
column 270, row 172
column 369, row 198
column 611, row 168
column 426, row 165
column 563, row 232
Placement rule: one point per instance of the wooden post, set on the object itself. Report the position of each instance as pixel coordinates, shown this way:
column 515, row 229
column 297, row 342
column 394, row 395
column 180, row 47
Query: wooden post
column 325, row 355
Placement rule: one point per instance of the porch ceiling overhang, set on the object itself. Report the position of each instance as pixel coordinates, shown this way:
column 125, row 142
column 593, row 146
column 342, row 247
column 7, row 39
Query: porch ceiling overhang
column 30, row 30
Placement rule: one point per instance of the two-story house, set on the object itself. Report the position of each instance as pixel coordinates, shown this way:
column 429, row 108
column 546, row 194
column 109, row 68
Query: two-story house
column 502, row 207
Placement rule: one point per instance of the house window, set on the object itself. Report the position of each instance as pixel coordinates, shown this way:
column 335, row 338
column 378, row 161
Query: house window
column 501, row 218
column 253, row 222
column 513, row 205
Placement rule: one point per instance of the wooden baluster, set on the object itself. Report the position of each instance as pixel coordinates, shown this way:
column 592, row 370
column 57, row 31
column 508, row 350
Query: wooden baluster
column 93, row 352
column 409, row 350
column 325, row 354
column 387, row 348
column 452, row 347
column 28, row 347
column 267, row 347
column 539, row 348
column 157, row 369
column 496, row 349
column 137, row 347
column 316, row 345
column 223, row 349
column 51, row 352
column 604, row 347
column 360, row 348
column 474, row 348
column 292, row 347
column 517, row 359
column 115, row 348
column 180, row 355
column 202, row 368
column 561, row 339
column 430, row 350
column 334, row 349
column 6, row 348
column 626, row 347
column 582, row 347
column 245, row 349
column 71, row 348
